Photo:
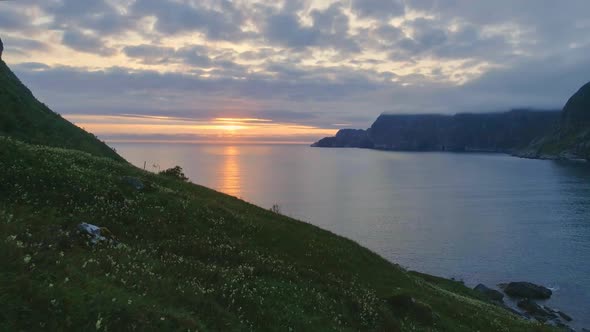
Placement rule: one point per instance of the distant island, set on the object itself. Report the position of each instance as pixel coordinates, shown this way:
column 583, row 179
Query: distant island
column 550, row 134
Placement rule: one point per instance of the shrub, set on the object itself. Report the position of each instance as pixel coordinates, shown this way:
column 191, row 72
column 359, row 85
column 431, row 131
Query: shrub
column 175, row 172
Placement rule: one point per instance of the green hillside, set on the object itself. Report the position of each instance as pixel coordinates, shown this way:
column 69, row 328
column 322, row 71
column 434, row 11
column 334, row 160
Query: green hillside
column 25, row 118
column 190, row 258
column 572, row 139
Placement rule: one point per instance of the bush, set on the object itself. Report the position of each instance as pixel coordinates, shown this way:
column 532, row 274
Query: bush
column 175, row 172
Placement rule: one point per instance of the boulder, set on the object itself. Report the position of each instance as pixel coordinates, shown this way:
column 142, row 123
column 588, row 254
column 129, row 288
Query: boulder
column 95, row 234
column 561, row 314
column 536, row 311
column 526, row 290
column 565, row 316
column 489, row 293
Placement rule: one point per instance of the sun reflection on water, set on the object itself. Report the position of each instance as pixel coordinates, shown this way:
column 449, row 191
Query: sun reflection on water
column 230, row 178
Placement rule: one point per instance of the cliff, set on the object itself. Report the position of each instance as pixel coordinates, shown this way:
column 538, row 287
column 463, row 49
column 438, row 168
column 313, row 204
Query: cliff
column 346, row 138
column 495, row 132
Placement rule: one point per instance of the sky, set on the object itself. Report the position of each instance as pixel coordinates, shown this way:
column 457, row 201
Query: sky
column 291, row 70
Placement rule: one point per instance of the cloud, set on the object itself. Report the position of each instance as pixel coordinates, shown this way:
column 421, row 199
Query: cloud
column 172, row 17
column 13, row 20
column 285, row 29
column 310, row 62
column 25, row 45
column 379, row 9
column 83, row 42
column 329, row 29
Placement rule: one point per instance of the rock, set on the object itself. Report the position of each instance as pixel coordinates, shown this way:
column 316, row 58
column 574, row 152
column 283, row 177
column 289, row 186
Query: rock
column 1, row 48
column 134, row 182
column 527, row 290
column 406, row 305
column 95, row 234
column 535, row 310
column 491, row 294
column 561, row 314
column 564, row 316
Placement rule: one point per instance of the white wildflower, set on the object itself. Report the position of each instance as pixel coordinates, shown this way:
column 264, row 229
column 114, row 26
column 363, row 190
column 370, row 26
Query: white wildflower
column 98, row 323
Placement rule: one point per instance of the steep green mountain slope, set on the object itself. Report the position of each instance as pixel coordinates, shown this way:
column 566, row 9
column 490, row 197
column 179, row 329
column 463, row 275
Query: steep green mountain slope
column 190, row 258
column 571, row 140
column 576, row 113
column 25, row 118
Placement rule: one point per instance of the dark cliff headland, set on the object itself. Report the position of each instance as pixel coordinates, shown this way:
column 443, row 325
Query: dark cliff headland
column 527, row 133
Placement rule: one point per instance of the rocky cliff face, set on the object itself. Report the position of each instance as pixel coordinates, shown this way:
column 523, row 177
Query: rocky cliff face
column 496, row 132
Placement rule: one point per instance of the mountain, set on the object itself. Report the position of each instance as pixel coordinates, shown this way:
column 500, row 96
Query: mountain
column 571, row 140
column 525, row 133
column 23, row 117
column 497, row 132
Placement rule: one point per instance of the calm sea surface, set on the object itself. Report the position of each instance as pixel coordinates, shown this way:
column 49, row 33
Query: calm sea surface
column 486, row 218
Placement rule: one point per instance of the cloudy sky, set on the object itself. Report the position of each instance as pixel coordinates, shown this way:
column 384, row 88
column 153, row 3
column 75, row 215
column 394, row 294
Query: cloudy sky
column 292, row 70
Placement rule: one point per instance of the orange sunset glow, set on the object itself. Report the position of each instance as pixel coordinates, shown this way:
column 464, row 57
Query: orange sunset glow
column 147, row 128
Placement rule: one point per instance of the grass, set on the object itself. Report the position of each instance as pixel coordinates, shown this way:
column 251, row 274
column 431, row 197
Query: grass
column 573, row 141
column 25, row 118
column 190, row 258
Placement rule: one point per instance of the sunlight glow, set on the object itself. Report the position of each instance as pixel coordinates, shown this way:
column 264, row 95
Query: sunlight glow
column 154, row 128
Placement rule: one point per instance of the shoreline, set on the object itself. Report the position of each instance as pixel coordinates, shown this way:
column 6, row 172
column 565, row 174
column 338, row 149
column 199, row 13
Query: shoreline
column 517, row 154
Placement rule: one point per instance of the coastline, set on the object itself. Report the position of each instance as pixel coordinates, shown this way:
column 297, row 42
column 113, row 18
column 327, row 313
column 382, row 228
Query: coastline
column 525, row 154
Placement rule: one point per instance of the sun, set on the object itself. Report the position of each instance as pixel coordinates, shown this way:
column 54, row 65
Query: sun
column 231, row 127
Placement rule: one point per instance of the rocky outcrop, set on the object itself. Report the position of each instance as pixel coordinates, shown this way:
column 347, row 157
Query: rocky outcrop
column 523, row 289
column 536, row 311
column 489, row 293
column 1, row 48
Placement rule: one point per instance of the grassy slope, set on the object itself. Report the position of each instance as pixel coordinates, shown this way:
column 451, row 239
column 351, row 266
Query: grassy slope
column 573, row 136
column 191, row 258
column 24, row 117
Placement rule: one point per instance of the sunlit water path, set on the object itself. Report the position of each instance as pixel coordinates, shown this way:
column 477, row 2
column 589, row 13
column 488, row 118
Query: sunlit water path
column 487, row 218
